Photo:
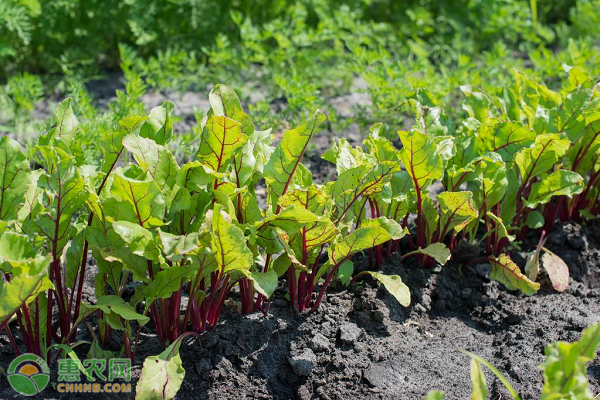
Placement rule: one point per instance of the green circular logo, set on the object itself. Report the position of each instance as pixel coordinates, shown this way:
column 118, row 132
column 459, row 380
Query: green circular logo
column 28, row 374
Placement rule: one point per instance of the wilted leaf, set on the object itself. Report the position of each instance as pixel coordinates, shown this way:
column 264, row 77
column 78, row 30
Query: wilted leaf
column 162, row 375
column 557, row 270
column 394, row 285
column 505, row 271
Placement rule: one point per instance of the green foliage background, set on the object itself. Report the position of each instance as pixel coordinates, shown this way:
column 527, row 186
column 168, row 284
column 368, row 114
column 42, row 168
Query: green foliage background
column 300, row 53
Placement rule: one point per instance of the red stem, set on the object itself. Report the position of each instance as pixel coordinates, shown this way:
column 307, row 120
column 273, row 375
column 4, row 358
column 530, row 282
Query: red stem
column 11, row 338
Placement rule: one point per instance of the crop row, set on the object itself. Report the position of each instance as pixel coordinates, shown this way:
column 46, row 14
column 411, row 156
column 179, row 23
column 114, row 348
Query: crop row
column 191, row 235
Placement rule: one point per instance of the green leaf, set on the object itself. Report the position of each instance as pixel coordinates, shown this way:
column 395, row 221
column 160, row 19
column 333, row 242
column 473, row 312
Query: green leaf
column 345, row 272
column 282, row 264
column 166, row 282
column 221, row 136
column 315, row 199
column 14, row 178
column 66, row 127
column 281, row 167
column 508, row 206
column 505, row 138
column 456, row 210
column 196, row 176
column 31, row 206
column 159, row 125
column 96, row 351
column 360, row 182
column 65, row 193
column 176, row 246
column 487, row 181
column 477, row 103
column 541, row 156
column 265, row 283
column 584, row 152
column 382, row 148
column 495, row 371
column 478, row 385
column 371, row 233
column 139, row 198
column 229, row 244
column 558, row 183
column 557, row 270
column 346, row 157
column 162, row 375
column 435, row 395
column 250, row 159
column 117, row 305
column 394, row 285
column 505, row 271
column 535, row 220
column 420, row 158
column 111, row 144
column 291, row 219
column 534, row 94
column 15, row 247
column 73, row 254
column 139, row 240
column 569, row 116
column 28, row 279
column 565, row 373
column 438, row 251
column 156, row 160
column 113, row 254
column 69, row 351
column 225, row 102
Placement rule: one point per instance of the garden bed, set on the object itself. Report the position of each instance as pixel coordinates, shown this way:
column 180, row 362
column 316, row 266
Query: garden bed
column 362, row 344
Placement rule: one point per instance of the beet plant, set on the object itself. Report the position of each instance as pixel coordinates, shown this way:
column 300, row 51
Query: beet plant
column 182, row 238
column 519, row 161
column 176, row 243
column 333, row 215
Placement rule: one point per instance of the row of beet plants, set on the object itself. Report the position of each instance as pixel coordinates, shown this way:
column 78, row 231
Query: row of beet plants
column 195, row 238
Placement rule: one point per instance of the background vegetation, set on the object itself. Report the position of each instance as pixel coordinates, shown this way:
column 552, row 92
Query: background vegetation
column 295, row 53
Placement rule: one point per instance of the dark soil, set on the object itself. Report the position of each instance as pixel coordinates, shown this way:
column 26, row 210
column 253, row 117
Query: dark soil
column 362, row 344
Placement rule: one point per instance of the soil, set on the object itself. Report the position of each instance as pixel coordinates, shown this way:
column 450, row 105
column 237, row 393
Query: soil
column 362, row 344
